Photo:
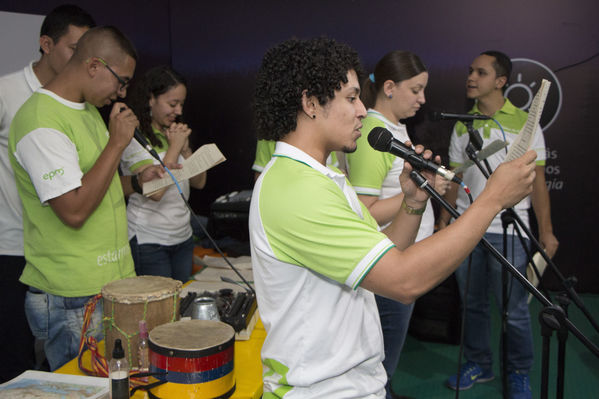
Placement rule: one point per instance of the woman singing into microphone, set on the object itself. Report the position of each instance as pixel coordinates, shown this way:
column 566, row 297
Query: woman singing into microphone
column 395, row 91
column 160, row 233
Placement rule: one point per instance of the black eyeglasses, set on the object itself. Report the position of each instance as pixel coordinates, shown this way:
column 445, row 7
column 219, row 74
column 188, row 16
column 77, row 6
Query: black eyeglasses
column 123, row 83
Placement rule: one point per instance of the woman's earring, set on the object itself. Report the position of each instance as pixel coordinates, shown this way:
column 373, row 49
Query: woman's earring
column 390, row 95
column 313, row 116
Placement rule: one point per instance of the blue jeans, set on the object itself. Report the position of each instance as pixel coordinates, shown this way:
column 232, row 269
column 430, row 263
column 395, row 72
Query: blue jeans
column 485, row 276
column 175, row 261
column 59, row 320
column 395, row 319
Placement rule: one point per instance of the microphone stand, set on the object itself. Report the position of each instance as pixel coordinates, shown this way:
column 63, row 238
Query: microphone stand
column 567, row 283
column 552, row 317
column 475, row 144
column 507, row 219
column 509, row 216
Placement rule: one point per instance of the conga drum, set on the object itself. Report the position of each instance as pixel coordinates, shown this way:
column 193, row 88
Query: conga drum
column 154, row 299
column 194, row 357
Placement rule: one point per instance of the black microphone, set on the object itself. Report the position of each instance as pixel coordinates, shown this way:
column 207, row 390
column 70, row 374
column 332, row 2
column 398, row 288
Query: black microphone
column 144, row 143
column 437, row 116
column 381, row 139
column 142, row 140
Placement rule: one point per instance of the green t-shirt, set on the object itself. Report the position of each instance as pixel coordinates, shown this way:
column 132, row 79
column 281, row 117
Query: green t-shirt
column 52, row 144
column 368, row 167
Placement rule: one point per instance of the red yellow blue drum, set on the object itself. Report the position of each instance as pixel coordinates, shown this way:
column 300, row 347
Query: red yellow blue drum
column 196, row 357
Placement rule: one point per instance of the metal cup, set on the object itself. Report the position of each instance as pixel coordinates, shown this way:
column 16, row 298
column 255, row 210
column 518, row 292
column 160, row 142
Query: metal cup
column 204, row 308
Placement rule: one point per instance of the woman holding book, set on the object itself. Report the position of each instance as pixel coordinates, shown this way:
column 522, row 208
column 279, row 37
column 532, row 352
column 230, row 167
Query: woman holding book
column 160, row 233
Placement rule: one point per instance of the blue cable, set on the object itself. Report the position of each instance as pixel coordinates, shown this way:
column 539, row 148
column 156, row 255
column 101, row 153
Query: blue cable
column 174, row 180
column 502, row 132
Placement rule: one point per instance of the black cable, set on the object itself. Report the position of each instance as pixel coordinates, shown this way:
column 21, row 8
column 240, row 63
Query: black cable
column 138, row 136
column 465, row 303
column 576, row 64
column 216, row 246
column 462, row 329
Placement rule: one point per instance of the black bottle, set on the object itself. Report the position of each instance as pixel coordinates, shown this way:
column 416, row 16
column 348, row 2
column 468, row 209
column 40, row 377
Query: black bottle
column 118, row 372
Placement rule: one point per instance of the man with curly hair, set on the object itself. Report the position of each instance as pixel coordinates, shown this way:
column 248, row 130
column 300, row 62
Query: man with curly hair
column 318, row 256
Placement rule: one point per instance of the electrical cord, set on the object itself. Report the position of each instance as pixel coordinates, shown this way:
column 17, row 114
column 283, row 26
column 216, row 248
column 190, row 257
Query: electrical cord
column 576, row 64
column 153, row 153
column 465, row 303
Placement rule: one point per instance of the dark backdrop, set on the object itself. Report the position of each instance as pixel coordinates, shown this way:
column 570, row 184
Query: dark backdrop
column 218, row 47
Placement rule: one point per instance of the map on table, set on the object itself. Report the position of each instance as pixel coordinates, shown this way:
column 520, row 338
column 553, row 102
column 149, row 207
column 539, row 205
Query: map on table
column 41, row 384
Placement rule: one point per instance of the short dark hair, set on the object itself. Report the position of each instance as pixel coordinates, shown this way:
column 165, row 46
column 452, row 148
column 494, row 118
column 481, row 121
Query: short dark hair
column 396, row 66
column 154, row 82
column 106, row 41
column 56, row 24
column 121, row 40
column 318, row 65
column 502, row 65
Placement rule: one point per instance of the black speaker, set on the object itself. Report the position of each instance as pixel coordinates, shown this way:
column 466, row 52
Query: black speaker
column 229, row 215
column 437, row 316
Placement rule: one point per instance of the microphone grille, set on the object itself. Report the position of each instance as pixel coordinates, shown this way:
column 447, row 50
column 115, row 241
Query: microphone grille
column 380, row 138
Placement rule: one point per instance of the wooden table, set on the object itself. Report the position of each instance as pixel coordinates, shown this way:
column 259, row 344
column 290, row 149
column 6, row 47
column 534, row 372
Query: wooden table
column 248, row 366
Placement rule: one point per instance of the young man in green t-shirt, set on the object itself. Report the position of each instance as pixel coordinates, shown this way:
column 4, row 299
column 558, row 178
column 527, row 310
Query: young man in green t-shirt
column 65, row 163
column 487, row 80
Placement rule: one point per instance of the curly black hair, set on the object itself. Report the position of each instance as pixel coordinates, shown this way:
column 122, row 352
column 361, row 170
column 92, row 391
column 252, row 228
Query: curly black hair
column 318, row 65
column 154, row 82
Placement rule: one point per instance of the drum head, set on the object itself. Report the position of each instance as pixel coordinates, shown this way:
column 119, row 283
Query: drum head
column 191, row 338
column 140, row 289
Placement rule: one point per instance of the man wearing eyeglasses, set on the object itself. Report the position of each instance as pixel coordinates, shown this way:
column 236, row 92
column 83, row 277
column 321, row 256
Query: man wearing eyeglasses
column 65, row 163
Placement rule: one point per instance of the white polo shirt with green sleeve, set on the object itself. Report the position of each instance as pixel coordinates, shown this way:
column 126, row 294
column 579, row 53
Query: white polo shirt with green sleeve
column 312, row 244
column 376, row 173
column 512, row 119
column 15, row 89
column 53, row 143
column 164, row 222
column 265, row 149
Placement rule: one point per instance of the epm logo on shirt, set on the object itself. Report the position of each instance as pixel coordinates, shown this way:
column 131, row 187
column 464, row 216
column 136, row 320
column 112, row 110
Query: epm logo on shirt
column 50, row 175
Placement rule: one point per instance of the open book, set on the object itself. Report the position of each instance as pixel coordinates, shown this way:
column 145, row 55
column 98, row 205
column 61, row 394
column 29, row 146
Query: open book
column 522, row 143
column 201, row 160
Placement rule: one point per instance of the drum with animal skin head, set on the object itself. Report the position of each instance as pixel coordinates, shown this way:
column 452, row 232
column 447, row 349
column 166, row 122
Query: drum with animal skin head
column 154, row 299
column 194, row 358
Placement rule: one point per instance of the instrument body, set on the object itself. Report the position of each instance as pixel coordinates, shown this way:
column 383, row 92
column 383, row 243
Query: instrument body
column 154, row 299
column 196, row 357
